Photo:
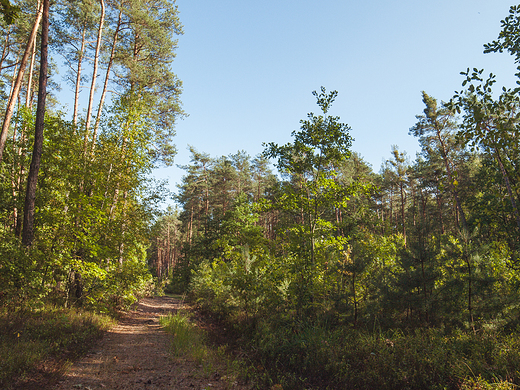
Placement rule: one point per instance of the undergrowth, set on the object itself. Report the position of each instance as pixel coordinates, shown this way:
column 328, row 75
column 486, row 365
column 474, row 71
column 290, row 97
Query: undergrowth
column 190, row 342
column 296, row 356
column 30, row 338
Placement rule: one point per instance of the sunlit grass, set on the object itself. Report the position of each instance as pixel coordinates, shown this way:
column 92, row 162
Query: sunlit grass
column 189, row 342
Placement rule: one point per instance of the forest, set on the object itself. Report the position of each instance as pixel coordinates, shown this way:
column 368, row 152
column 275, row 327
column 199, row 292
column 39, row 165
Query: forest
column 331, row 274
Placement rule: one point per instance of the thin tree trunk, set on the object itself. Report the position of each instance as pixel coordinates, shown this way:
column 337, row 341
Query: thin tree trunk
column 30, row 197
column 94, row 75
column 16, row 88
column 439, row 204
column 13, row 79
column 123, row 231
column 78, row 76
column 425, row 291
column 29, row 92
column 190, row 235
column 105, row 84
column 5, row 52
column 403, row 219
column 451, row 179
column 18, row 166
column 470, row 293
column 354, row 297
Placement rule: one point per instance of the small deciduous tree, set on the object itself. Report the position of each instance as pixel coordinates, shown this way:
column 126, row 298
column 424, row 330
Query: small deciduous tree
column 311, row 162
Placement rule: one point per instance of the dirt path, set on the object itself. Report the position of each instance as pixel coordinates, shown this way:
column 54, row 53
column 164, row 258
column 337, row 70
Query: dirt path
column 134, row 355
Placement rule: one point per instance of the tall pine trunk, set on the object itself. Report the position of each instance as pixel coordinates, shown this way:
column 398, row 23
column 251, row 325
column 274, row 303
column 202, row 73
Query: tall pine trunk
column 78, row 75
column 105, row 84
column 16, row 88
column 94, row 75
column 32, row 179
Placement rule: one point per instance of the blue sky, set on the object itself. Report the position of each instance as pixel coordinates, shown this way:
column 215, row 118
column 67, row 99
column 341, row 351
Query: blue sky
column 249, row 68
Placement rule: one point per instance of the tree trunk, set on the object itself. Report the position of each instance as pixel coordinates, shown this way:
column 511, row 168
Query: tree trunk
column 78, row 76
column 454, row 190
column 94, row 75
column 29, row 92
column 105, row 85
column 30, row 197
column 5, row 52
column 16, row 88
column 18, row 166
column 403, row 217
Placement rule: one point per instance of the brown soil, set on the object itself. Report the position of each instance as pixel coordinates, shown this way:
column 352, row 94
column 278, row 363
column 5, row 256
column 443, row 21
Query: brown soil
column 134, row 355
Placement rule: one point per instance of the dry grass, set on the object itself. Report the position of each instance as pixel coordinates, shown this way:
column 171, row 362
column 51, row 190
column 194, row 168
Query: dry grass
column 40, row 343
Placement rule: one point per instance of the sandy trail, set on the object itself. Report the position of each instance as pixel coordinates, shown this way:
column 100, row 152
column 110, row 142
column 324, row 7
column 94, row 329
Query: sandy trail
column 134, row 355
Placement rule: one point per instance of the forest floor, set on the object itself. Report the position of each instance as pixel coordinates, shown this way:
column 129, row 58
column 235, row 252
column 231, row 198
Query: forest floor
column 134, row 355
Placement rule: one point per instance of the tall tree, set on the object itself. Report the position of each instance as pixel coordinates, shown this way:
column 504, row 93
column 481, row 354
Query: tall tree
column 434, row 127
column 18, row 83
column 311, row 163
column 94, row 74
column 32, row 179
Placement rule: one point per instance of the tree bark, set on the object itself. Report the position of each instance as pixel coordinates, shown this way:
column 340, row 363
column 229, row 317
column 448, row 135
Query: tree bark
column 5, row 51
column 78, row 76
column 16, row 88
column 105, row 85
column 94, row 75
column 32, row 179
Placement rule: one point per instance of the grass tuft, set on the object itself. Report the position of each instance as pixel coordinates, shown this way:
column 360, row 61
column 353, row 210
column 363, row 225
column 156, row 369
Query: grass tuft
column 190, row 342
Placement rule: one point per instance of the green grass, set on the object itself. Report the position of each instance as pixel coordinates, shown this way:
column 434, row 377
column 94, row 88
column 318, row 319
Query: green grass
column 28, row 339
column 190, row 342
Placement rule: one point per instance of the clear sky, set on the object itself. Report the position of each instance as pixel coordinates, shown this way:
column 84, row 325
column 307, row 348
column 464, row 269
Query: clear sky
column 249, row 68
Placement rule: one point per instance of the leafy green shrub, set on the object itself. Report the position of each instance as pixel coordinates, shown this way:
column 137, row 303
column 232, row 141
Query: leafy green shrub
column 21, row 279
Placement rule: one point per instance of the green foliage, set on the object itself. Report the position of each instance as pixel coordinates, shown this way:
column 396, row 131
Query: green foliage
column 90, row 246
column 311, row 162
column 322, row 142
column 9, row 12
column 244, row 284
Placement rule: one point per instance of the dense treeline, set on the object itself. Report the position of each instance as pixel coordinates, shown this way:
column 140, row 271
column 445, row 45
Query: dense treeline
column 92, row 202
column 327, row 245
column 333, row 273
column 429, row 242
column 425, row 243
